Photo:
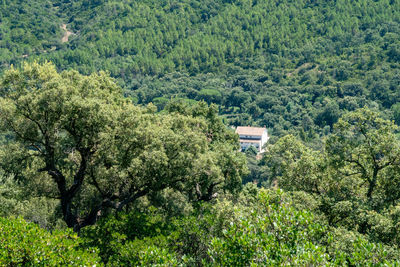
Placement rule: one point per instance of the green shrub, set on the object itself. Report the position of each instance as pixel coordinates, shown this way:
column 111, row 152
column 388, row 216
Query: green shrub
column 26, row 244
column 273, row 234
column 141, row 253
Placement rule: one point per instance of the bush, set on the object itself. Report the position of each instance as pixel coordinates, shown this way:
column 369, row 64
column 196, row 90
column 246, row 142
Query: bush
column 139, row 253
column 273, row 234
column 26, row 244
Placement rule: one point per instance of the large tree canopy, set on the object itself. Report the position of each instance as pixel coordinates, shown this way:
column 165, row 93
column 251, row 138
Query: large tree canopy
column 79, row 140
column 355, row 178
column 366, row 145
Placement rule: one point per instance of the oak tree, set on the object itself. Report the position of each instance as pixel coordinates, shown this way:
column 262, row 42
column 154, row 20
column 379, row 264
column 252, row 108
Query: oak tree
column 83, row 143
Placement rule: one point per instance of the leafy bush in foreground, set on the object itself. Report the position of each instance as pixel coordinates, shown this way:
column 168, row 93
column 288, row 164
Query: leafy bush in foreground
column 275, row 234
column 26, row 244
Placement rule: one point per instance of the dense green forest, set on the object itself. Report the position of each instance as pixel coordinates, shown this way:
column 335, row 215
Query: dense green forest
column 115, row 139
column 294, row 66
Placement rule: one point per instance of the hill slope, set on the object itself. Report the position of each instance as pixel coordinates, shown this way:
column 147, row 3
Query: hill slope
column 290, row 65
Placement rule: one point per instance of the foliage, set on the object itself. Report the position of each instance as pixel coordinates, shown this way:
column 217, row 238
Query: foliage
column 260, row 227
column 272, row 234
column 294, row 66
column 125, row 238
column 18, row 200
column 115, row 236
column 72, row 146
column 27, row 29
column 145, row 255
column 84, row 143
column 353, row 179
column 365, row 144
column 25, row 244
column 350, row 248
column 253, row 162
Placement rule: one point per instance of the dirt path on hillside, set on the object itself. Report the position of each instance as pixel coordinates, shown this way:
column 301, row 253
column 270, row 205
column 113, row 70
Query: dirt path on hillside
column 67, row 33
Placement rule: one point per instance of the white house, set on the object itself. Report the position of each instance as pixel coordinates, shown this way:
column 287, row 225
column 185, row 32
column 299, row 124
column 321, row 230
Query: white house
column 252, row 136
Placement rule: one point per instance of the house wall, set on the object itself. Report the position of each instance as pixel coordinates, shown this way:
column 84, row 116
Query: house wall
column 254, row 137
column 264, row 140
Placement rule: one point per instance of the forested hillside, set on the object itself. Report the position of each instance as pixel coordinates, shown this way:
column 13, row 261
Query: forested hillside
column 294, row 66
column 115, row 139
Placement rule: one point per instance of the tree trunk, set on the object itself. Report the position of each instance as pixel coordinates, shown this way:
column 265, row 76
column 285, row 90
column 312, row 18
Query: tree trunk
column 372, row 183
